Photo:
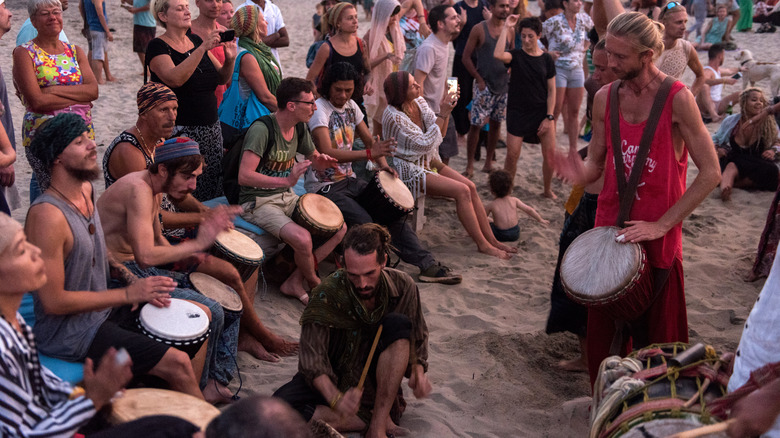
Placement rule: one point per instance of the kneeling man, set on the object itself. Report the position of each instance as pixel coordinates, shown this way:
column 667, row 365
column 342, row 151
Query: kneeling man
column 338, row 329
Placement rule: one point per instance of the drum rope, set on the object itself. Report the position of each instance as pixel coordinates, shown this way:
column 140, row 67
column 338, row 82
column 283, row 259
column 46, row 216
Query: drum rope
column 235, row 396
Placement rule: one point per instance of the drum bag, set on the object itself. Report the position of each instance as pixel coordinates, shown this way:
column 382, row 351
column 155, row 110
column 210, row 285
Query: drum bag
column 627, row 189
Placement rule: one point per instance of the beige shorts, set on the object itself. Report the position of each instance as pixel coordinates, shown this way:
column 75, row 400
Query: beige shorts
column 271, row 213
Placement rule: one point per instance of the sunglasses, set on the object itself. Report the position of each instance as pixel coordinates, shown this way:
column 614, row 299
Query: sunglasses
column 670, row 5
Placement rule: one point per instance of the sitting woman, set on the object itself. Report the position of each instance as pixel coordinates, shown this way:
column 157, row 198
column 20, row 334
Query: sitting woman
column 415, row 127
column 746, row 149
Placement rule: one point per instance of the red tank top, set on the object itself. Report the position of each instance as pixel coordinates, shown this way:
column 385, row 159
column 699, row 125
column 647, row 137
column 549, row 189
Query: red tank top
column 661, row 185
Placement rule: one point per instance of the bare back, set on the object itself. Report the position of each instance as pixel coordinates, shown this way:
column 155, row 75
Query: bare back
column 504, row 211
column 129, row 209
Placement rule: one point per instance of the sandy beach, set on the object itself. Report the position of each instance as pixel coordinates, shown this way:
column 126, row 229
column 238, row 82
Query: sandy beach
column 491, row 364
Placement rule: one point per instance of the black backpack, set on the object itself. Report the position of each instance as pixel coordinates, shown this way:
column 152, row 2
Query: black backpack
column 231, row 161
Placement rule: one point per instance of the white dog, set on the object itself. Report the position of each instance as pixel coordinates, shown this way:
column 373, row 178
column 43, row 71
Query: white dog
column 753, row 71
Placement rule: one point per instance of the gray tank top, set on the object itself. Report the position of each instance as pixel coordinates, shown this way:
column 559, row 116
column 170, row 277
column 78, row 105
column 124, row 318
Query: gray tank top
column 86, row 269
column 491, row 69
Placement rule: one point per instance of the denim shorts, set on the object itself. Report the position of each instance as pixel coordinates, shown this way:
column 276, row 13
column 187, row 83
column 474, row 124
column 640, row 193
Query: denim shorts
column 569, row 78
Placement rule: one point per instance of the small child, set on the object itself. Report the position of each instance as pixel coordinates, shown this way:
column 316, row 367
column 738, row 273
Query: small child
column 504, row 208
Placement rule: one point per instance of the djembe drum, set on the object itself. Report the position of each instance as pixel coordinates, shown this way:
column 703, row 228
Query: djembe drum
column 240, row 250
column 386, row 198
column 137, row 403
column 182, row 325
column 319, row 216
column 599, row 272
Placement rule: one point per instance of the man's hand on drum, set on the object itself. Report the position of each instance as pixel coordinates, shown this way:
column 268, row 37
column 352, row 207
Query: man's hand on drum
column 383, row 148
column 322, row 161
column 154, row 290
column 218, row 220
column 641, row 231
column 101, row 383
column 755, row 413
column 295, row 173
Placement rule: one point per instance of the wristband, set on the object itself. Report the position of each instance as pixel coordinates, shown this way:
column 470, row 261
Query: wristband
column 335, row 400
column 368, row 155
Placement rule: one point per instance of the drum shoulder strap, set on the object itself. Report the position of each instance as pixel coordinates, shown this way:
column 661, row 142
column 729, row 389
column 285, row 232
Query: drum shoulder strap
column 627, row 190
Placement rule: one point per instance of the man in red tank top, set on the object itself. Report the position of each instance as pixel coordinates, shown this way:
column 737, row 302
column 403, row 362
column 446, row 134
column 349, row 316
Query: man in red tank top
column 661, row 202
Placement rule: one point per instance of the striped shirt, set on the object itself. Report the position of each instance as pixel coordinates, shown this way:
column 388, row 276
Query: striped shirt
column 33, row 401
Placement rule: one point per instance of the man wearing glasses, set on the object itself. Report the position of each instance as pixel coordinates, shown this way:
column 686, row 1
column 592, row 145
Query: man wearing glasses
column 268, row 172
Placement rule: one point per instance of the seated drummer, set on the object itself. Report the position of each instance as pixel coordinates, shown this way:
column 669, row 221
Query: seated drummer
column 130, row 210
column 333, row 127
column 42, row 404
column 338, row 329
column 73, row 309
column 267, row 173
column 133, row 150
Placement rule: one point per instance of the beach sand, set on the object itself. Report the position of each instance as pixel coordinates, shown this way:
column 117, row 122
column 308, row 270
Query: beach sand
column 491, row 364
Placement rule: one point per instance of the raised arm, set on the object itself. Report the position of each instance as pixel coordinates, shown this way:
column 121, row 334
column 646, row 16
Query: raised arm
column 248, row 176
column 500, row 52
column 225, row 70
column 175, row 76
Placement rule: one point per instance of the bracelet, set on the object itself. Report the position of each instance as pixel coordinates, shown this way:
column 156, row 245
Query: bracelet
column 336, row 399
column 368, row 155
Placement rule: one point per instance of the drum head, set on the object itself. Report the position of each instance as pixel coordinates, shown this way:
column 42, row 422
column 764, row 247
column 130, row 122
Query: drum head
column 143, row 402
column 320, row 211
column 240, row 245
column 396, row 189
column 595, row 266
column 217, row 291
column 180, row 321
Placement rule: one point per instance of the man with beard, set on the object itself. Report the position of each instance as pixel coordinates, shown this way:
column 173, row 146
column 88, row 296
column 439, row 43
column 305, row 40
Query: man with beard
column 661, row 200
column 678, row 52
column 339, row 326
column 130, row 212
column 134, row 150
column 76, row 316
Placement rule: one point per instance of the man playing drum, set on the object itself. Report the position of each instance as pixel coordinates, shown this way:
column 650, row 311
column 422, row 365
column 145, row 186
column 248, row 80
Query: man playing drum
column 76, row 316
column 268, row 171
column 333, row 127
column 363, row 317
column 661, row 202
column 130, row 211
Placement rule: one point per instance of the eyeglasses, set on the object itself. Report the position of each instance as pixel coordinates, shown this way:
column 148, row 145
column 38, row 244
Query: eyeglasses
column 47, row 14
column 304, row 101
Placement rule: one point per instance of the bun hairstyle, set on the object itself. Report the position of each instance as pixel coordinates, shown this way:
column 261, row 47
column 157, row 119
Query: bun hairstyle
column 366, row 238
column 396, row 88
column 644, row 33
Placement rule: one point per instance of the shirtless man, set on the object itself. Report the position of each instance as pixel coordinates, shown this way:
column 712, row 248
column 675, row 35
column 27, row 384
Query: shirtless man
column 711, row 101
column 130, row 211
column 661, row 201
column 78, row 317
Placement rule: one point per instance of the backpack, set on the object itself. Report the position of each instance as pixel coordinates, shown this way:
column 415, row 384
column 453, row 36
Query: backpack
column 231, row 161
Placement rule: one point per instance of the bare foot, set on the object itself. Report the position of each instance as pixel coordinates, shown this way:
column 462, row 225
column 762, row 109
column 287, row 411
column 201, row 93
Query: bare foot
column 280, row 347
column 252, row 346
column 574, row 365
column 293, row 286
column 395, row 430
column 502, row 247
column 101, row 81
column 216, row 393
column 111, row 78
column 725, row 193
column 468, row 173
column 550, row 195
column 487, row 169
column 495, row 252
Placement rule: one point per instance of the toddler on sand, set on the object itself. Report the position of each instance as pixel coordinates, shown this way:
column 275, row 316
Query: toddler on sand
column 504, row 208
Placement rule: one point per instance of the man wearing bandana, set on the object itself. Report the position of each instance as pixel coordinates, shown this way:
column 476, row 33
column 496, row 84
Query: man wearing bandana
column 77, row 317
column 339, row 327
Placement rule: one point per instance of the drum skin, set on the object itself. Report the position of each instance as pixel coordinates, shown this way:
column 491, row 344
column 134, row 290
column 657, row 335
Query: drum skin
column 319, row 215
column 598, row 272
column 240, row 250
column 386, row 198
column 182, row 325
column 217, row 291
column 143, row 402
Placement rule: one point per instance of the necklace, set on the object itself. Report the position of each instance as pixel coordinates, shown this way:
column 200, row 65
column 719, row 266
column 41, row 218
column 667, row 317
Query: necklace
column 149, row 153
column 87, row 217
column 645, row 86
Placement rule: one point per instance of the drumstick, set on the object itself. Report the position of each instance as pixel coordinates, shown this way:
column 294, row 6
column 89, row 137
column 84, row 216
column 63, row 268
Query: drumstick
column 703, row 388
column 704, row 430
column 370, row 356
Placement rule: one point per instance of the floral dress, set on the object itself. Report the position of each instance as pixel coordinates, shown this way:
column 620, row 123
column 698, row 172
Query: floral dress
column 51, row 70
column 571, row 43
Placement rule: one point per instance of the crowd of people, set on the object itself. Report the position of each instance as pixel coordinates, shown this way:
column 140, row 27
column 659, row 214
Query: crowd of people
column 382, row 103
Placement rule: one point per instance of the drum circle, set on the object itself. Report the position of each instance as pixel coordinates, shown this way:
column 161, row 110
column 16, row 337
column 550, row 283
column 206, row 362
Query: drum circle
column 181, row 325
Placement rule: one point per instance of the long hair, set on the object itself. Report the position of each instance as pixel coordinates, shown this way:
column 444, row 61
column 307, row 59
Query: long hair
column 396, row 88
column 644, row 33
column 767, row 129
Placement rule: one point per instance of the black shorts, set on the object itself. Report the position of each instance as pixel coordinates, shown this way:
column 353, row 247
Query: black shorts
column 120, row 330
column 141, row 37
column 525, row 123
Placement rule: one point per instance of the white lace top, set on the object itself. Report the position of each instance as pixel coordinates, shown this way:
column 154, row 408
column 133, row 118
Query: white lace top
column 416, row 148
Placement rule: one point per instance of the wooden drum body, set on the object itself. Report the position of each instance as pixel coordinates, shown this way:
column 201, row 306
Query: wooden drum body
column 598, row 272
column 143, row 402
column 240, row 250
column 386, row 198
column 319, row 216
column 653, row 401
column 181, row 325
